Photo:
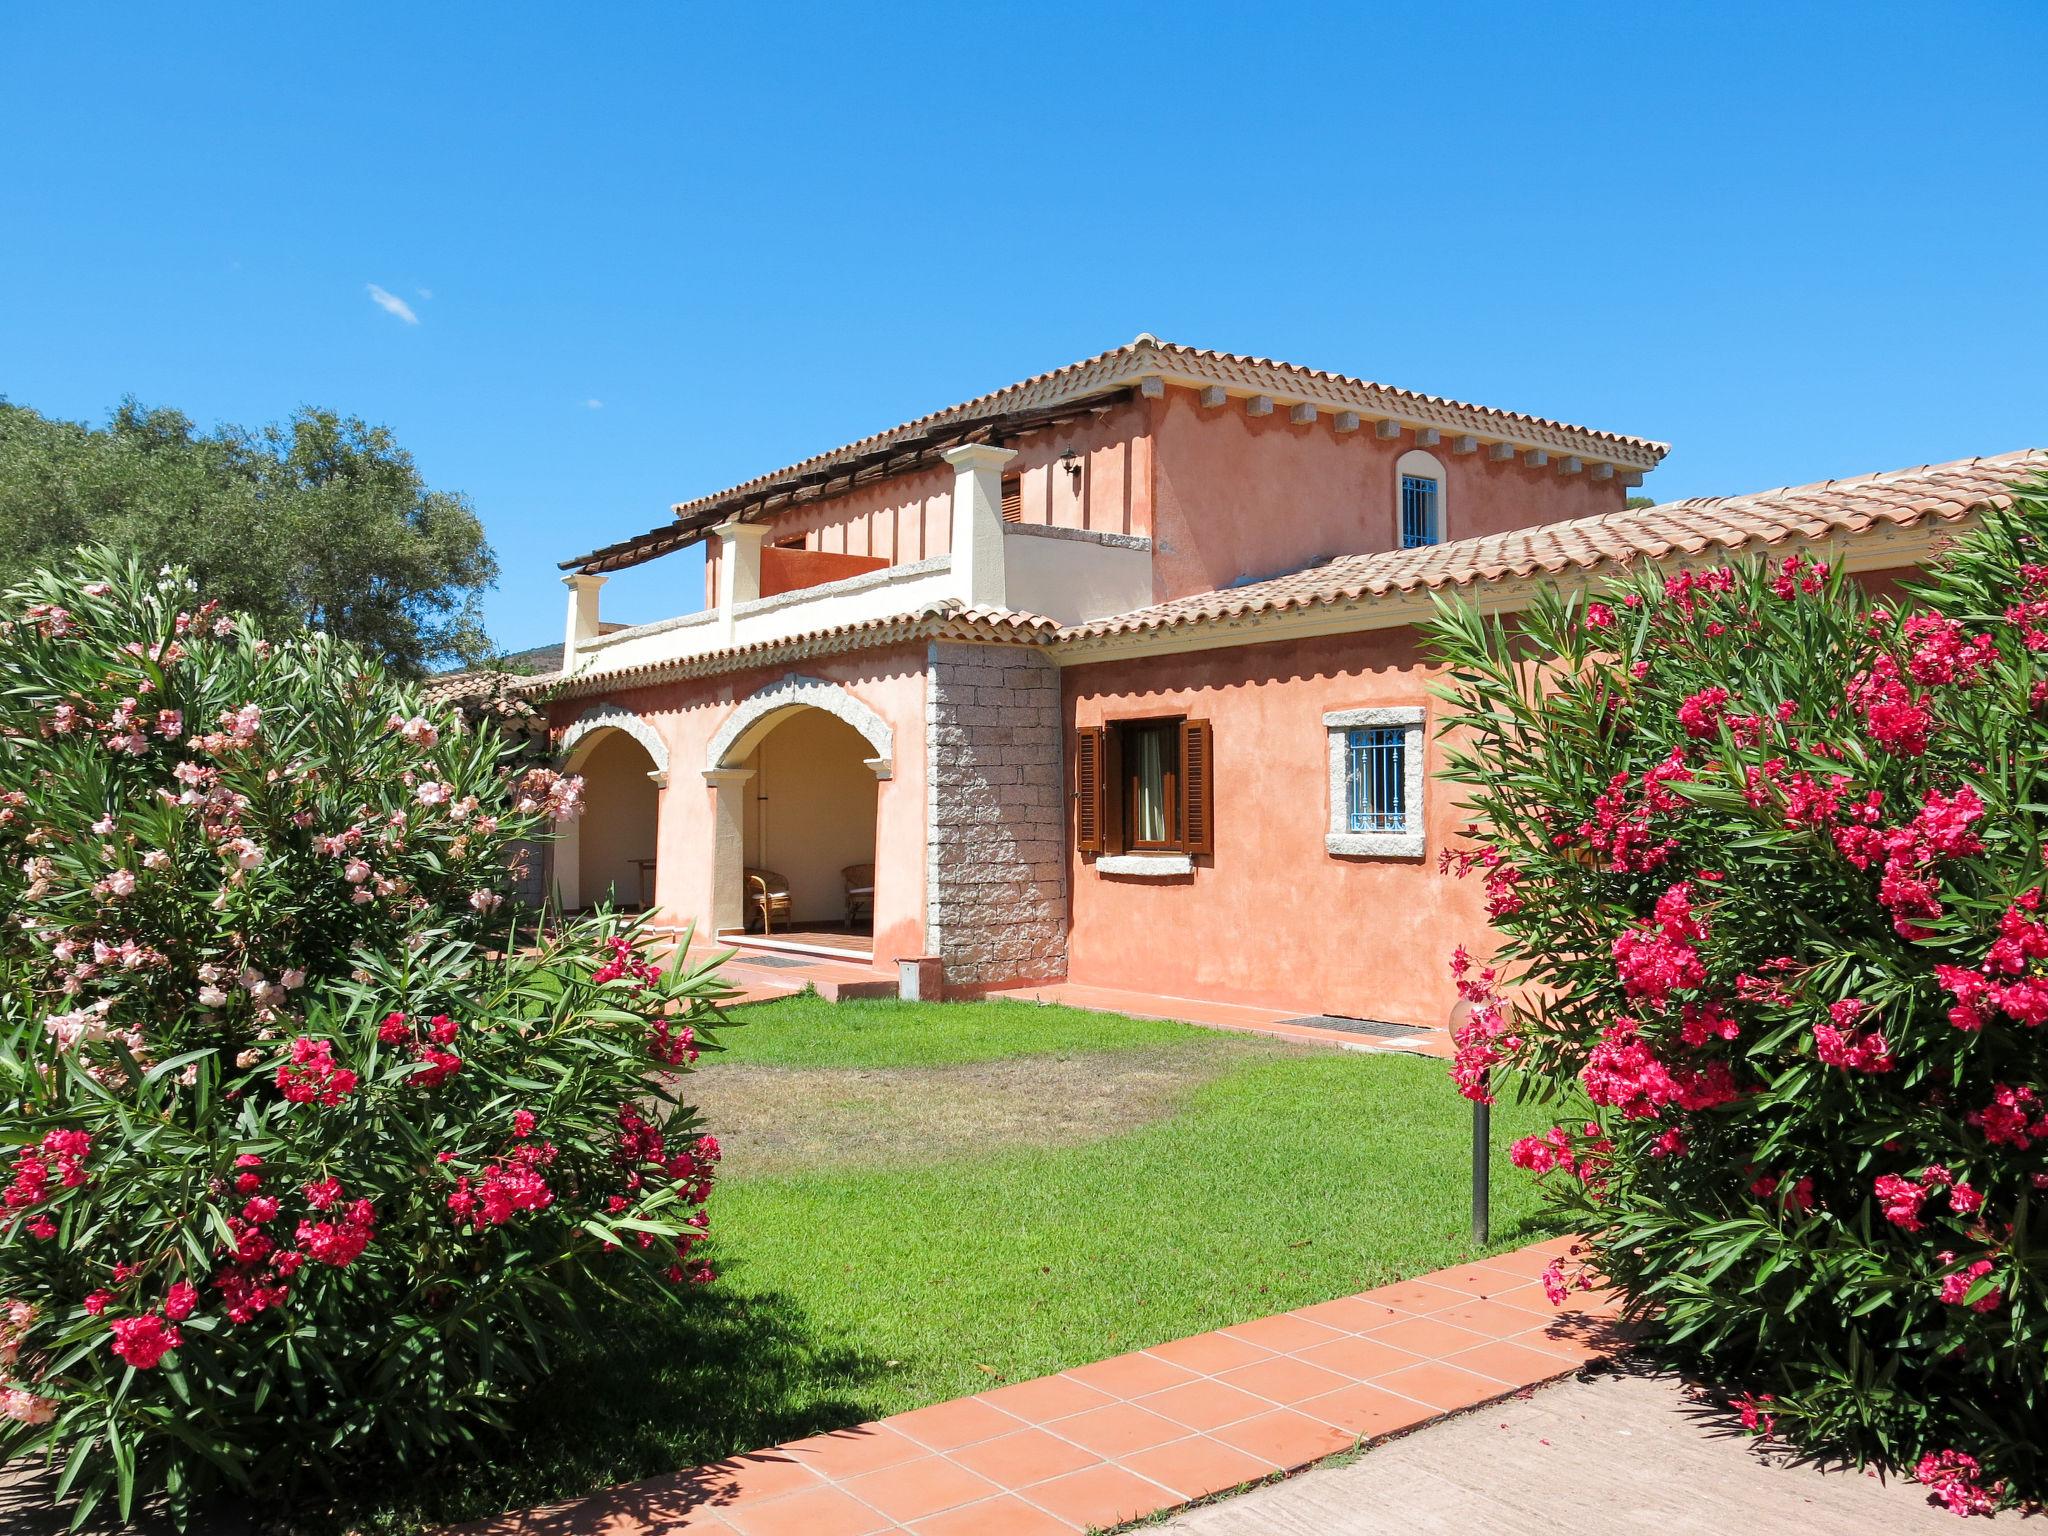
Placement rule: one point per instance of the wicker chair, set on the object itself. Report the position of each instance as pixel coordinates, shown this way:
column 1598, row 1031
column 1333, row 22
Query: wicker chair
column 767, row 899
column 860, row 893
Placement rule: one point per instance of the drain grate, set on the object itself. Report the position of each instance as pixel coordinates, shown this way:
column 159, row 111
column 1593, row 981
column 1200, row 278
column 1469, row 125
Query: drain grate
column 1358, row 1026
column 777, row 961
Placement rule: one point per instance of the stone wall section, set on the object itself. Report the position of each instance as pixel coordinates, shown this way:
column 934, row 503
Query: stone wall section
column 995, row 846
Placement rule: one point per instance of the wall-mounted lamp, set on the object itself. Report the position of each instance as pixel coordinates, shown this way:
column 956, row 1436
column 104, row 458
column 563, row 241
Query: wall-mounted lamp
column 1071, row 462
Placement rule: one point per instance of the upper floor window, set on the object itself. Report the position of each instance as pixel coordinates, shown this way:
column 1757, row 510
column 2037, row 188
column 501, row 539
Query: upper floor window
column 1419, row 482
column 1419, row 524
column 1013, row 498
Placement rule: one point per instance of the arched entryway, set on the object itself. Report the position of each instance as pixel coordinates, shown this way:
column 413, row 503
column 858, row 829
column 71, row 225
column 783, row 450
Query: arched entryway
column 796, row 770
column 608, row 853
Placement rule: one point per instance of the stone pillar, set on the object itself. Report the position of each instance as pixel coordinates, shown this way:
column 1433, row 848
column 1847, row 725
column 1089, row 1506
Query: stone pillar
column 582, row 626
column 728, row 846
column 739, row 570
column 978, row 576
column 995, row 829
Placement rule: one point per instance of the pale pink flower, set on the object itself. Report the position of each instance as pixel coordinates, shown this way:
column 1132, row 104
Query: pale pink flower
column 24, row 1407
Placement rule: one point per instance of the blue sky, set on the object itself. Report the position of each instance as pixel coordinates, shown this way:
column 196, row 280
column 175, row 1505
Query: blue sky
column 641, row 252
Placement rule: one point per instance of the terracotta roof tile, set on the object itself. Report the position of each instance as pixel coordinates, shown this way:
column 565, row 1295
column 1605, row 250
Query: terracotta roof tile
column 1830, row 508
column 934, row 621
column 1147, row 356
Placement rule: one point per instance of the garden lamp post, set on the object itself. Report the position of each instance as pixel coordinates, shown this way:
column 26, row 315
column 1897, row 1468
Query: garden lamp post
column 1482, row 1144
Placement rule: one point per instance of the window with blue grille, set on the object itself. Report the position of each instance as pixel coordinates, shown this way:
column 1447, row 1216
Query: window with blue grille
column 1418, row 512
column 1376, row 779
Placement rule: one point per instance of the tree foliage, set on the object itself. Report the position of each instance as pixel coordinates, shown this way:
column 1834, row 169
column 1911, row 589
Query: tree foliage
column 323, row 521
column 1767, row 851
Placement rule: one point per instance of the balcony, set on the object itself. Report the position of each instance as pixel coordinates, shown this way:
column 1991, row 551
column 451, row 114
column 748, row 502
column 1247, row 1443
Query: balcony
column 769, row 594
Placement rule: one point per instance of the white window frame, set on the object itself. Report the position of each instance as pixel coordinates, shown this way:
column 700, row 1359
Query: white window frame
column 1340, row 840
column 1423, row 466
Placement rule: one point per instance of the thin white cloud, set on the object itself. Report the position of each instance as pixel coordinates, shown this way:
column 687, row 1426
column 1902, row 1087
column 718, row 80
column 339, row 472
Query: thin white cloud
column 593, row 405
column 425, row 293
column 392, row 304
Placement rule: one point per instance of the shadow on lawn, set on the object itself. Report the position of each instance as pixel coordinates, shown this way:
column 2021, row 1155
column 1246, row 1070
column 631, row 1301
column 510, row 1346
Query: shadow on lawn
column 654, row 1393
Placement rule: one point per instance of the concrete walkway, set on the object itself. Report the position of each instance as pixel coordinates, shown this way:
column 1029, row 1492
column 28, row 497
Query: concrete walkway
column 1616, row 1453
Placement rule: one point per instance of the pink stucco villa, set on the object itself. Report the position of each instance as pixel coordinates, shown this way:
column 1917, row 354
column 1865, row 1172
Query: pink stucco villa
column 1113, row 677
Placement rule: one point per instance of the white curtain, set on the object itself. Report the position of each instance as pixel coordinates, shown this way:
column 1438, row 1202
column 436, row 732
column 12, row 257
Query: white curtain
column 1148, row 789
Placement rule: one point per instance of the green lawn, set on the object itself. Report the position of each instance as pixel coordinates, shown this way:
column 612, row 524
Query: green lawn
column 923, row 1201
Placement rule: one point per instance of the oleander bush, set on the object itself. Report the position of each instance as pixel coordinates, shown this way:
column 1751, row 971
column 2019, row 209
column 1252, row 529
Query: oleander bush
column 313, row 1150
column 1765, row 854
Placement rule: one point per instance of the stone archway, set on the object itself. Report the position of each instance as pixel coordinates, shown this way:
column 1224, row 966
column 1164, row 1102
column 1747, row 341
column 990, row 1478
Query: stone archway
column 727, row 773
column 760, row 712
column 589, row 735
column 616, row 717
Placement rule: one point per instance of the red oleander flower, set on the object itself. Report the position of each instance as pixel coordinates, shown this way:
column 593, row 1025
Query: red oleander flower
column 143, row 1341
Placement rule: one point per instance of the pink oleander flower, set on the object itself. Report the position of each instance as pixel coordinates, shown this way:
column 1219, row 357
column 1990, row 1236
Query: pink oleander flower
column 1755, row 1417
column 312, row 1076
column 339, row 1243
column 25, row 1407
column 1700, row 716
column 142, row 1341
column 1955, row 1481
column 418, row 730
column 180, row 1301
column 1900, row 1200
column 1956, row 1286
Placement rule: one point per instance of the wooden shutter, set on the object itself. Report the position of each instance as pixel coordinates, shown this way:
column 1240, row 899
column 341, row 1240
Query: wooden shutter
column 1013, row 499
column 1197, row 787
column 1089, row 782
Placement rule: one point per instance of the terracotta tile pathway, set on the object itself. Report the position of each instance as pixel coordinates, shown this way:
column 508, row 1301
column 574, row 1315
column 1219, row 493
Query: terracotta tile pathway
column 1144, row 1432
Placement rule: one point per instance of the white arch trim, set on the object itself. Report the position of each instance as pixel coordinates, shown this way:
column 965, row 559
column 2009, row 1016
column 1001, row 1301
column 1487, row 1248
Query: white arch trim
column 762, row 711
column 577, row 743
column 615, row 717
